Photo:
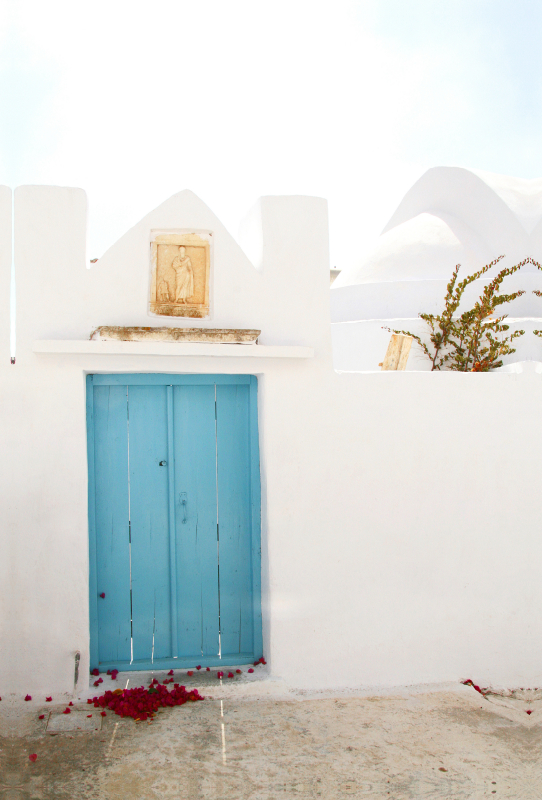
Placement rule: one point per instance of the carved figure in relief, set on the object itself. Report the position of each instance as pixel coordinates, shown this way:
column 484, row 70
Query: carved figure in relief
column 184, row 276
column 163, row 292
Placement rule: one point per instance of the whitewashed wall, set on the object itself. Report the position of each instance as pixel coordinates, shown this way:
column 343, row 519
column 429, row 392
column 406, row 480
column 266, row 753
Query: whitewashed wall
column 400, row 536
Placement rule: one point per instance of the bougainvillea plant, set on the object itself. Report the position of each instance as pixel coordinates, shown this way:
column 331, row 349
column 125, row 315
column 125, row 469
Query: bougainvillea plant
column 474, row 340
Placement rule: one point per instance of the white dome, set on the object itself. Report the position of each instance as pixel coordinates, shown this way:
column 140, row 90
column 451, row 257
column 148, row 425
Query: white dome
column 424, row 248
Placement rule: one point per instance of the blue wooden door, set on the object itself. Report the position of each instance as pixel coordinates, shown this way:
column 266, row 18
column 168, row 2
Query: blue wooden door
column 174, row 520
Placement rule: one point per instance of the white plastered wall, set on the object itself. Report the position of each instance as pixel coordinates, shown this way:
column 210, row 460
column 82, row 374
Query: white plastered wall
column 8, row 438
column 400, row 532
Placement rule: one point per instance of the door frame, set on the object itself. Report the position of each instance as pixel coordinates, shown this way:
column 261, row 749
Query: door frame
column 185, row 379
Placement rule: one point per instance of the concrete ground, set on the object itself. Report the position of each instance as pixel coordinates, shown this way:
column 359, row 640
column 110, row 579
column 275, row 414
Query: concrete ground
column 255, row 740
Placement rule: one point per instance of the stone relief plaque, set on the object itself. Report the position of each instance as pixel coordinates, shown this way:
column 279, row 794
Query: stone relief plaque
column 181, row 265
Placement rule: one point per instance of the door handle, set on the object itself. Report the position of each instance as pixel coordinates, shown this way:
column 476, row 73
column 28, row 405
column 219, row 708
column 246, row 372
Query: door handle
column 183, row 500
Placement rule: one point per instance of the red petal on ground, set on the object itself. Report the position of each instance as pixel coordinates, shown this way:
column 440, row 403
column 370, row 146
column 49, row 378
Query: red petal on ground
column 33, row 757
column 48, row 699
column 28, row 697
column 251, row 670
column 41, row 716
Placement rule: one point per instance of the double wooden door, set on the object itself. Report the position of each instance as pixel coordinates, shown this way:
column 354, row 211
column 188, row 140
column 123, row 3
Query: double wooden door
column 174, row 520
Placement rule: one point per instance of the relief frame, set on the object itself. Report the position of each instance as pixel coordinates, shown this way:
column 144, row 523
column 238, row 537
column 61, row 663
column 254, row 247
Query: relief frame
column 180, row 275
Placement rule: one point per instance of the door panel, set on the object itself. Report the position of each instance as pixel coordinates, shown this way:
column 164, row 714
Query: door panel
column 195, row 482
column 234, row 533
column 151, row 618
column 112, row 522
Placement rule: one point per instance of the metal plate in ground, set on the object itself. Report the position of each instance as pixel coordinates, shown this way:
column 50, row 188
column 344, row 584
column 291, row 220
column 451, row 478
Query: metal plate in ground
column 75, row 722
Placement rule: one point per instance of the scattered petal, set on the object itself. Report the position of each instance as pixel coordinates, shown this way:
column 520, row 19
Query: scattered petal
column 190, row 672
column 28, row 697
column 41, row 716
column 208, row 669
column 529, row 711
column 219, row 674
column 230, row 674
column 89, row 716
column 199, row 667
column 238, row 671
column 251, row 670
column 103, row 714
column 102, row 595
column 170, row 672
column 70, row 703
column 95, row 671
column 33, row 757
column 67, row 711
column 262, row 660
column 48, row 699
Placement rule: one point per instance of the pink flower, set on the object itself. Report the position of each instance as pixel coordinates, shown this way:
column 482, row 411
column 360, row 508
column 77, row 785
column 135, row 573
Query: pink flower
column 33, row 757
column 28, row 697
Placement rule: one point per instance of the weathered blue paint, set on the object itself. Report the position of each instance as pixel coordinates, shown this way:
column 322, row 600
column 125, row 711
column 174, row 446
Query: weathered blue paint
column 174, row 519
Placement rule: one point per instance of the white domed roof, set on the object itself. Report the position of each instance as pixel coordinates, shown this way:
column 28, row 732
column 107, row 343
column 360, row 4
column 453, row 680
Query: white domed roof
column 423, row 248
column 453, row 215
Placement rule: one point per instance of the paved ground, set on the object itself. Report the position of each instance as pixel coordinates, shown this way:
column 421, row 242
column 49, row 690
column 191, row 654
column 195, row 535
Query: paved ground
column 259, row 742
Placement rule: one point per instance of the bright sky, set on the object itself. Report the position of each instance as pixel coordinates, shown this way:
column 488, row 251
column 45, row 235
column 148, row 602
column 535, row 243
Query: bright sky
column 351, row 100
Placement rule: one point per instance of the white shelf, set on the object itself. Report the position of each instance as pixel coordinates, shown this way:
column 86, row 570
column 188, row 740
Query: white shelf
column 115, row 348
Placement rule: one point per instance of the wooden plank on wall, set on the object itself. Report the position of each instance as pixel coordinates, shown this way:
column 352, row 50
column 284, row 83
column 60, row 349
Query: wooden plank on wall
column 397, row 353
